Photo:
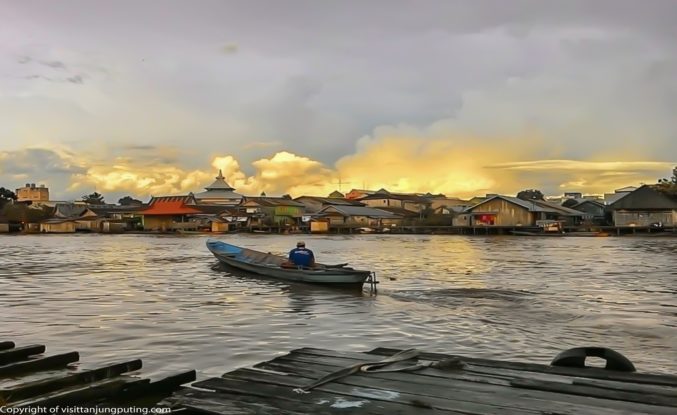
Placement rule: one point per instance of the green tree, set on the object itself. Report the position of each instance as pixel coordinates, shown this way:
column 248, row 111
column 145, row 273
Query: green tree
column 93, row 199
column 24, row 213
column 6, row 196
column 129, row 201
column 669, row 185
column 531, row 194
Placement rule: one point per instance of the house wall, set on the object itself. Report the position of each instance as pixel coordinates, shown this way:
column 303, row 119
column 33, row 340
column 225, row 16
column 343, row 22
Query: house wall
column 319, row 226
column 413, row 206
column 220, row 226
column 64, row 227
column 507, row 214
column 461, row 220
column 87, row 225
column 376, row 203
column 35, row 194
column 4, row 227
column 157, row 222
column 644, row 218
column 287, row 213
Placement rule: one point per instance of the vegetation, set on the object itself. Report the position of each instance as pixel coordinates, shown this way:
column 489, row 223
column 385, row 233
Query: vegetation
column 93, row 199
column 24, row 213
column 129, row 201
column 531, row 194
column 6, row 196
column 669, row 185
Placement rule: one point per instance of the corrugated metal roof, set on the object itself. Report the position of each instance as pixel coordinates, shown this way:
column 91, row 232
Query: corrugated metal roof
column 359, row 211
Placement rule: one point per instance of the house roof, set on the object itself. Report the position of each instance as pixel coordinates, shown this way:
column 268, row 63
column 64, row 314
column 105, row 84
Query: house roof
column 397, row 196
column 270, row 201
column 399, row 211
column 330, row 200
column 359, row 211
column 72, row 211
column 336, row 194
column 647, row 198
column 171, row 205
column 530, row 205
column 219, row 183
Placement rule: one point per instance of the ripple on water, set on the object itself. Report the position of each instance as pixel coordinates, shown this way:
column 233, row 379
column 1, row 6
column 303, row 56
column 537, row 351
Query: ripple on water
column 167, row 301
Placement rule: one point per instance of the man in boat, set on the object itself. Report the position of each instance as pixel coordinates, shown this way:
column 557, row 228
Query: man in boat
column 301, row 256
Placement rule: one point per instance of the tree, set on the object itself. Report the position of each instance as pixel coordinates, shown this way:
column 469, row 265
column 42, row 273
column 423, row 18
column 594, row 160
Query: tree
column 530, row 194
column 129, row 201
column 669, row 185
column 93, row 199
column 6, row 196
column 24, row 213
column 286, row 196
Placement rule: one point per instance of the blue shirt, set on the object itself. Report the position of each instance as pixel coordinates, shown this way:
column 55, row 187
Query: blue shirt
column 302, row 257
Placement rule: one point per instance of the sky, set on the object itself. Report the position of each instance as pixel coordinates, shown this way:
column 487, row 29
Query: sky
column 465, row 98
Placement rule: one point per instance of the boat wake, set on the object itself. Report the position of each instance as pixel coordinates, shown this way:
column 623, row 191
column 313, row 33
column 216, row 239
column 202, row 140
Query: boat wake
column 457, row 296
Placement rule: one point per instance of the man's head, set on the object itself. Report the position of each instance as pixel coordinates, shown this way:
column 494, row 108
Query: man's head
column 300, row 244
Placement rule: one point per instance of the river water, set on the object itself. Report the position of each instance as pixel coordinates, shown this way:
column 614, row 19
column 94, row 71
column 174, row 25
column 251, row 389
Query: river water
column 166, row 300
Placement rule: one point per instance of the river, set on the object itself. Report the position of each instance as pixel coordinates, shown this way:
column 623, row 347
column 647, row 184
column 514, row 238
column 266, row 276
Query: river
column 166, row 300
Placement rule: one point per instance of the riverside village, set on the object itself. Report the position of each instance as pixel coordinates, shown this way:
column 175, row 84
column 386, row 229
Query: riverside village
column 641, row 209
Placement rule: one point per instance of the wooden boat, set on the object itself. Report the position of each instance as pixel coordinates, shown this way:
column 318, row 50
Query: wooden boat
column 271, row 266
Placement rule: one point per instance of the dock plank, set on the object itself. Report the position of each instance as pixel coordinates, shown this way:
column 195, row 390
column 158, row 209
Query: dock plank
column 49, row 362
column 459, row 389
column 4, row 345
column 321, row 398
column 666, row 380
column 81, row 395
column 18, row 354
column 51, row 384
column 298, row 361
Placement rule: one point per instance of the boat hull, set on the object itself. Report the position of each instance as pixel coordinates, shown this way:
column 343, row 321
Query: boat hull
column 270, row 266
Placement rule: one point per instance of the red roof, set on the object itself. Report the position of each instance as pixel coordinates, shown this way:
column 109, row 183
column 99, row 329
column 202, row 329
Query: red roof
column 170, row 205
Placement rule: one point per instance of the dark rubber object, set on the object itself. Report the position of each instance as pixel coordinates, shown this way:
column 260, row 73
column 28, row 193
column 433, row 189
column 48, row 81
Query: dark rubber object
column 576, row 358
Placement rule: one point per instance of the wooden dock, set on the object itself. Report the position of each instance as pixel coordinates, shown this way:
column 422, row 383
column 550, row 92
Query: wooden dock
column 433, row 384
column 28, row 379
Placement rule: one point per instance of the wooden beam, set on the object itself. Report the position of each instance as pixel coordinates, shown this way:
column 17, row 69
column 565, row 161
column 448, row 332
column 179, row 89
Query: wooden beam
column 20, row 353
column 43, row 386
column 158, row 389
column 106, row 388
column 6, row 345
column 49, row 362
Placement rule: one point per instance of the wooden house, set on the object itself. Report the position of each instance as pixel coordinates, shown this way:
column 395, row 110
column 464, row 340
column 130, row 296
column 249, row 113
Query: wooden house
column 593, row 211
column 58, row 225
column 645, row 206
column 168, row 213
column 269, row 211
column 314, row 204
column 511, row 211
column 384, row 198
column 359, row 216
column 85, row 219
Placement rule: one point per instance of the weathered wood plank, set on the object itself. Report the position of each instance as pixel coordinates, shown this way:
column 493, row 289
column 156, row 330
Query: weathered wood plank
column 231, row 403
column 43, row 386
column 82, row 395
column 323, row 399
column 448, row 388
column 370, row 390
column 647, row 378
column 158, row 388
column 596, row 392
column 49, row 362
column 625, row 386
column 6, row 345
column 20, row 353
